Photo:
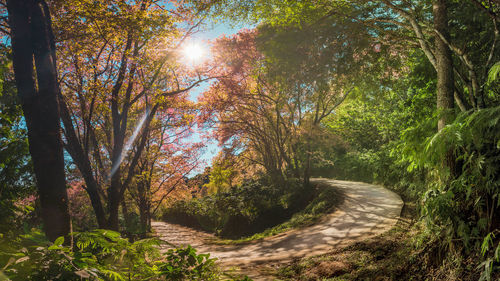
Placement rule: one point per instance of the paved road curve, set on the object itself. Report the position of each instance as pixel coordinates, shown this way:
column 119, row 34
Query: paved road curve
column 367, row 210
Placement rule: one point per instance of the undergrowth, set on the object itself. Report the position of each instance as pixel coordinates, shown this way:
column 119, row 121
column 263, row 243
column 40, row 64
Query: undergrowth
column 254, row 209
column 100, row 255
column 407, row 252
column 326, row 198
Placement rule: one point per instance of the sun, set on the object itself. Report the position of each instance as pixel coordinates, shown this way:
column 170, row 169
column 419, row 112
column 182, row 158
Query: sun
column 194, row 52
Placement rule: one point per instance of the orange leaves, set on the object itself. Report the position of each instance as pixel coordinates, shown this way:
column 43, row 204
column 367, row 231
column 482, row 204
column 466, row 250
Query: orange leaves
column 124, row 87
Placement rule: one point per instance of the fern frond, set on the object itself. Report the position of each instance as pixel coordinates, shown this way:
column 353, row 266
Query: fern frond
column 494, row 72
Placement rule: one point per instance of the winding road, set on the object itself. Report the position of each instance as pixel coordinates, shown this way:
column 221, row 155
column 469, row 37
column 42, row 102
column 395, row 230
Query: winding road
column 367, row 210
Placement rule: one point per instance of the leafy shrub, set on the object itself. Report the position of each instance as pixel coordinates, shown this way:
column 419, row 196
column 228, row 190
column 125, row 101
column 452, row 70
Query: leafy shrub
column 100, row 255
column 17, row 180
column 384, row 132
column 185, row 264
column 354, row 165
column 465, row 201
column 243, row 210
column 324, row 199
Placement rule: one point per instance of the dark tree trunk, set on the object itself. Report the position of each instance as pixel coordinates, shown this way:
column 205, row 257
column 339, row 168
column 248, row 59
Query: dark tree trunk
column 32, row 40
column 148, row 217
column 445, row 82
column 125, row 213
column 143, row 206
column 307, row 163
column 444, row 67
column 307, row 174
column 113, row 206
column 114, row 199
column 143, row 218
column 74, row 148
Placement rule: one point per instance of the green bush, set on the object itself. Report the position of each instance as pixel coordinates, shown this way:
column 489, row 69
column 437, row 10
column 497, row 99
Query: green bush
column 464, row 200
column 185, row 264
column 325, row 198
column 100, row 255
column 241, row 211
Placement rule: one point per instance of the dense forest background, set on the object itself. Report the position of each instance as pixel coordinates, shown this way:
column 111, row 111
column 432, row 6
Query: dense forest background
column 97, row 128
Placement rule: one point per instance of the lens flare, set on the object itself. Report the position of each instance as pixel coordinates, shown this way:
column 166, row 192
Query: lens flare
column 129, row 144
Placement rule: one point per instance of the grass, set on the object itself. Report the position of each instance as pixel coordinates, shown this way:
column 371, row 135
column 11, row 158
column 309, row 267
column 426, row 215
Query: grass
column 385, row 257
column 393, row 255
column 325, row 200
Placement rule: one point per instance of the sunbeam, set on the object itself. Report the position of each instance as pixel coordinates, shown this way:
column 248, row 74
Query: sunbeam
column 129, row 143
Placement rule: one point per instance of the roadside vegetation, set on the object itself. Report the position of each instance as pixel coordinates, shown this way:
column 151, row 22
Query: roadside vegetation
column 390, row 256
column 101, row 255
column 255, row 210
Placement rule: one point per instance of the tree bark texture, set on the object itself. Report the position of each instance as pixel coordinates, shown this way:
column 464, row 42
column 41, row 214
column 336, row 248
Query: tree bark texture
column 444, row 65
column 33, row 42
column 445, row 82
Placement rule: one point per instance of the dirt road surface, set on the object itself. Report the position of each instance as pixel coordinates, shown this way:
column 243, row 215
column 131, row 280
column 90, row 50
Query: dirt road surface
column 367, row 210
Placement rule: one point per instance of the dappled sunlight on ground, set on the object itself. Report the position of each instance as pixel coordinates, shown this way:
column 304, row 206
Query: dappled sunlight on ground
column 367, row 210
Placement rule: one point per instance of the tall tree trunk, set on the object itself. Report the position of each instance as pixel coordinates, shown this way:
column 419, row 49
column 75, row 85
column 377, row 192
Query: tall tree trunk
column 444, row 65
column 143, row 206
column 77, row 153
column 307, row 172
column 445, row 82
column 148, row 216
column 113, row 206
column 307, row 162
column 126, row 215
column 32, row 40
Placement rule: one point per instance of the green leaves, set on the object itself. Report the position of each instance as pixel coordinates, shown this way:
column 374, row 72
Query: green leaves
column 487, row 243
column 240, row 211
column 100, row 255
column 186, row 264
column 470, row 213
column 16, row 175
column 494, row 72
column 59, row 241
column 488, row 265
